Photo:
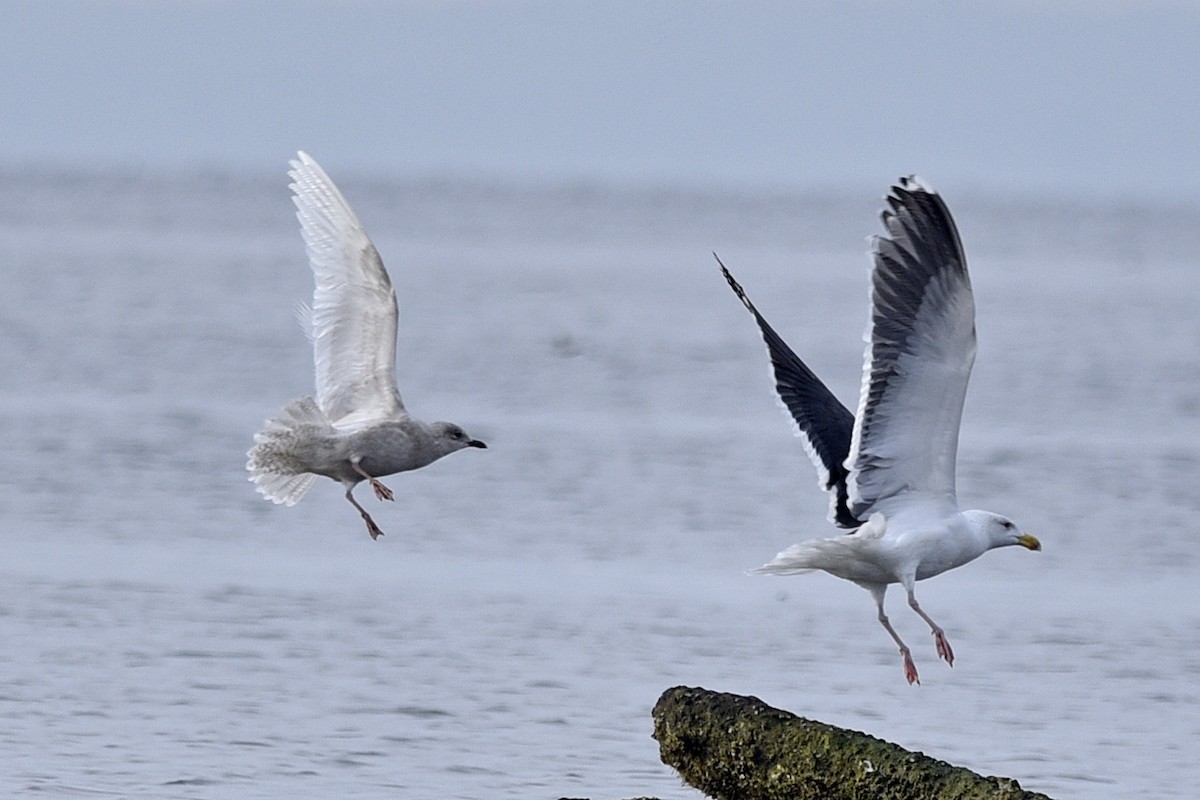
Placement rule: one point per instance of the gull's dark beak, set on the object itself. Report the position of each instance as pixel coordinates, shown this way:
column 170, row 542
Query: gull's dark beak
column 477, row 443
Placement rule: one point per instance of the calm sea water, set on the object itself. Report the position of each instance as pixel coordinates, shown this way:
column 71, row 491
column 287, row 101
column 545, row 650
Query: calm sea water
column 167, row 633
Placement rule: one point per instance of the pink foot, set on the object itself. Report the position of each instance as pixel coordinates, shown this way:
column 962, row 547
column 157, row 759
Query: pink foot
column 910, row 669
column 381, row 491
column 372, row 528
column 943, row 647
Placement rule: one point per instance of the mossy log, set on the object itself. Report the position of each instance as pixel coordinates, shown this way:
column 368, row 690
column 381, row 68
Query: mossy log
column 733, row 747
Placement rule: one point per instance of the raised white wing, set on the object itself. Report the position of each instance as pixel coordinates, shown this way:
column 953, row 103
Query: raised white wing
column 354, row 313
column 920, row 348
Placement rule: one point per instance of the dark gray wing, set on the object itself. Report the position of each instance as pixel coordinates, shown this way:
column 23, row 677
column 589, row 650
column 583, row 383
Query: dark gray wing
column 823, row 424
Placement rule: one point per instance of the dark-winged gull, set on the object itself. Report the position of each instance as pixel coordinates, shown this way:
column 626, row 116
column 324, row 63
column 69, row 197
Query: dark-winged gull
column 357, row 428
column 890, row 468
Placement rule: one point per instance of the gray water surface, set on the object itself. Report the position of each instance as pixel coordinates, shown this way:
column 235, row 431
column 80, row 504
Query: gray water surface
column 167, row 633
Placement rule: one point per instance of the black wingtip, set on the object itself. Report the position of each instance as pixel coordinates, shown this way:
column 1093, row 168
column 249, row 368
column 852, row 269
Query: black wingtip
column 903, row 192
column 737, row 287
column 916, row 212
column 724, row 269
column 913, row 184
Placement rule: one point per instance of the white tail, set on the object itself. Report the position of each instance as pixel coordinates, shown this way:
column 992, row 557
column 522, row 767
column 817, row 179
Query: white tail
column 826, row 554
column 275, row 469
column 796, row 560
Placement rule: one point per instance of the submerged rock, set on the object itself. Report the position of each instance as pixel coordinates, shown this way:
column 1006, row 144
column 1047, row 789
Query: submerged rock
column 733, row 747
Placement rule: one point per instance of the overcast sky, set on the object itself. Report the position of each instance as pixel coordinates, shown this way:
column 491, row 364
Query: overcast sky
column 1066, row 97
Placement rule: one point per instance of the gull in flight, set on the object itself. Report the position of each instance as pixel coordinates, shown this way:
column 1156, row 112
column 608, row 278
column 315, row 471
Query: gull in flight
column 890, row 468
column 356, row 429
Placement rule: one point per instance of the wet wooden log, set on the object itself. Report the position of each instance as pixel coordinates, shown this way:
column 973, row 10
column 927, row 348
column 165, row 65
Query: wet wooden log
column 733, row 747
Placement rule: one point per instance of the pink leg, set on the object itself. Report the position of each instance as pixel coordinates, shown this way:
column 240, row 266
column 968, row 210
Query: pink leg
column 381, row 491
column 372, row 528
column 910, row 669
column 939, row 638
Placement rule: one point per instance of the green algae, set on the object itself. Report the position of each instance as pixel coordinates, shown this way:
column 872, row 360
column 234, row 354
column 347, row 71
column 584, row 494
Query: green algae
column 733, row 747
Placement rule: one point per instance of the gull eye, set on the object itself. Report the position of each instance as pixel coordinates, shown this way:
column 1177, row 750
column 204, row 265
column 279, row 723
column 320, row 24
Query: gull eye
column 1007, row 525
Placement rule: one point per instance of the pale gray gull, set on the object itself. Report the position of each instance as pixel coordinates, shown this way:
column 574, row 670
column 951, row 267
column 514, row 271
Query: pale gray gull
column 890, row 468
column 357, row 427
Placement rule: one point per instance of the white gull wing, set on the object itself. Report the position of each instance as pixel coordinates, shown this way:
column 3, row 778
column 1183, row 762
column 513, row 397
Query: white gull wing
column 920, row 348
column 823, row 424
column 354, row 315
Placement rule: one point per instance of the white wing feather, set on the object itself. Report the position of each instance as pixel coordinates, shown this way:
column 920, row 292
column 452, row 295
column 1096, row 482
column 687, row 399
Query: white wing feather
column 354, row 314
column 920, row 349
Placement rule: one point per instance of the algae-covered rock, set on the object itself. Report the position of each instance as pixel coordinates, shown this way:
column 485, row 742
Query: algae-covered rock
column 733, row 747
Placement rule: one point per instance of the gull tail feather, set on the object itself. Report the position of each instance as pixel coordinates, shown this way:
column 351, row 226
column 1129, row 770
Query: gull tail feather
column 796, row 560
column 825, row 554
column 274, row 463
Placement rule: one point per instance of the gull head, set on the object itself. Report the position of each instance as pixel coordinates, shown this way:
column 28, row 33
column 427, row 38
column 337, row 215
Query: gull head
column 451, row 437
column 1001, row 531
